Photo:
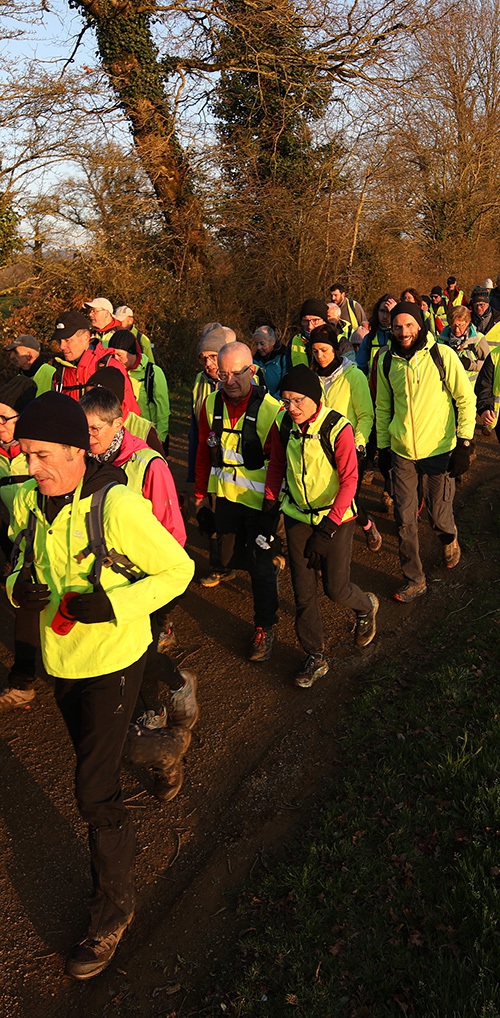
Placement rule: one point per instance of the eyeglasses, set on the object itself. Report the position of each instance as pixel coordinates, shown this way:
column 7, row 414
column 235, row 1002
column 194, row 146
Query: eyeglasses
column 224, row 375
column 3, row 420
column 96, row 431
column 298, row 401
column 208, row 356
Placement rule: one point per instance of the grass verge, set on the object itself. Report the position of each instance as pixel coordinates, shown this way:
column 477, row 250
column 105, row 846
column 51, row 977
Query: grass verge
column 390, row 903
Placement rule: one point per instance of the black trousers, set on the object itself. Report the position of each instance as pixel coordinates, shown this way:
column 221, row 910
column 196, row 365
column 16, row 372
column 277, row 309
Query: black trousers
column 237, row 527
column 97, row 712
column 336, row 576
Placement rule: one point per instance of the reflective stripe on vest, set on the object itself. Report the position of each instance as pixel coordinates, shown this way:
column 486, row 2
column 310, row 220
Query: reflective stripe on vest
column 238, row 484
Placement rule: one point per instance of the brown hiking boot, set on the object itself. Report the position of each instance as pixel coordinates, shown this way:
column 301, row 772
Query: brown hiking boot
column 410, row 591
column 451, row 554
column 373, row 537
column 91, row 956
column 262, row 644
column 183, row 707
column 366, row 625
column 168, row 784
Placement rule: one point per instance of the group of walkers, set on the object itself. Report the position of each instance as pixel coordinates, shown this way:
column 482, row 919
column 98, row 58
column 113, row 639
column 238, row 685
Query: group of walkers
column 280, row 440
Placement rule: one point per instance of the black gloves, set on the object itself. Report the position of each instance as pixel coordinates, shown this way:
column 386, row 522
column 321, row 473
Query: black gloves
column 318, row 543
column 466, row 363
column 89, row 608
column 33, row 597
column 206, row 521
column 384, row 461
column 460, row 457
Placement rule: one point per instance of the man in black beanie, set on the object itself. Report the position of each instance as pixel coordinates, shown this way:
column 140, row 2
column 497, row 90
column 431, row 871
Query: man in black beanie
column 93, row 599
column 419, row 385
column 314, row 312
column 312, row 449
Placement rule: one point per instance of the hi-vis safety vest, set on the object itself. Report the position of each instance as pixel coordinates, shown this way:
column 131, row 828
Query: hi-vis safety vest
column 135, row 467
column 298, row 351
column 230, row 478
column 202, row 388
column 311, row 481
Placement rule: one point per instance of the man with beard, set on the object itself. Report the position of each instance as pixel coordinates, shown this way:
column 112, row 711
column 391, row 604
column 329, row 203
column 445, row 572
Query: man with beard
column 419, row 386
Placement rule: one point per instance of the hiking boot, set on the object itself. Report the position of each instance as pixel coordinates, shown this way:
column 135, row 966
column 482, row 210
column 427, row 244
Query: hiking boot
column 167, row 639
column 183, row 708
column 410, row 591
column 167, row 784
column 451, row 555
column 215, row 578
column 158, row 747
column 314, row 667
column 91, row 956
column 366, row 625
column 373, row 537
column 262, row 643
column 15, row 698
column 150, row 719
column 386, row 503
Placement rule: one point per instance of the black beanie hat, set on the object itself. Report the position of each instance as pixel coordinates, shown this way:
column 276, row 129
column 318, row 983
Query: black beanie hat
column 111, row 379
column 18, row 392
column 314, row 306
column 302, row 379
column 406, row 307
column 124, row 339
column 480, row 294
column 437, row 290
column 54, row 417
column 328, row 333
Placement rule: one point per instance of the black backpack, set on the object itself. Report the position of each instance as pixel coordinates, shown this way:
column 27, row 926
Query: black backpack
column 103, row 557
column 324, row 433
column 251, row 446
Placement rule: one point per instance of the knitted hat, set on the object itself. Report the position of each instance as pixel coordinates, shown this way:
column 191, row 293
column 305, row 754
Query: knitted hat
column 325, row 334
column 303, row 380
column 438, row 290
column 124, row 339
column 212, row 339
column 68, row 323
column 405, row 307
column 488, row 284
column 451, row 280
column 18, row 392
column 314, row 306
column 54, row 417
column 28, row 341
column 481, row 295
column 108, row 378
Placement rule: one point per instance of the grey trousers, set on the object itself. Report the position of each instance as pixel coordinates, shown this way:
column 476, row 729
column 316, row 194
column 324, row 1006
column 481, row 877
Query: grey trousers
column 438, row 490
column 336, row 576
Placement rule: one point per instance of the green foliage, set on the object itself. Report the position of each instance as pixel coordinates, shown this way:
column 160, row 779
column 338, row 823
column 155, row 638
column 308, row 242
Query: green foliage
column 389, row 903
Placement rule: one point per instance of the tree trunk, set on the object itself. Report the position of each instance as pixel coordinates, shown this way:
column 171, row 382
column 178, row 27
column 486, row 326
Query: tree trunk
column 130, row 59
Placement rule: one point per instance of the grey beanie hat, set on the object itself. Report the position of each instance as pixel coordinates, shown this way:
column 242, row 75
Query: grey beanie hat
column 212, row 340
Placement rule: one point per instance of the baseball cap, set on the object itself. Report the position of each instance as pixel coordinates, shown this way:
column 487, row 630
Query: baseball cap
column 68, row 323
column 29, row 341
column 100, row 304
column 123, row 312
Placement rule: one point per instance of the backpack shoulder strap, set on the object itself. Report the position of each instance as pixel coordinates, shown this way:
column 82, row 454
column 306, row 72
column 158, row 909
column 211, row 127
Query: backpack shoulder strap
column 149, row 381
column 386, row 363
column 218, row 414
column 324, row 435
column 438, row 361
column 29, row 543
column 285, row 428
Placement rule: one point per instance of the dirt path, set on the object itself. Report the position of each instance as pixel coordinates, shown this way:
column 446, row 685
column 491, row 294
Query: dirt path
column 260, row 748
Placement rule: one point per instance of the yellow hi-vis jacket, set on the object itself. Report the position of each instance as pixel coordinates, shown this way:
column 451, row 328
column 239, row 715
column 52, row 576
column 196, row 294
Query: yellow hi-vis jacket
column 60, row 561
